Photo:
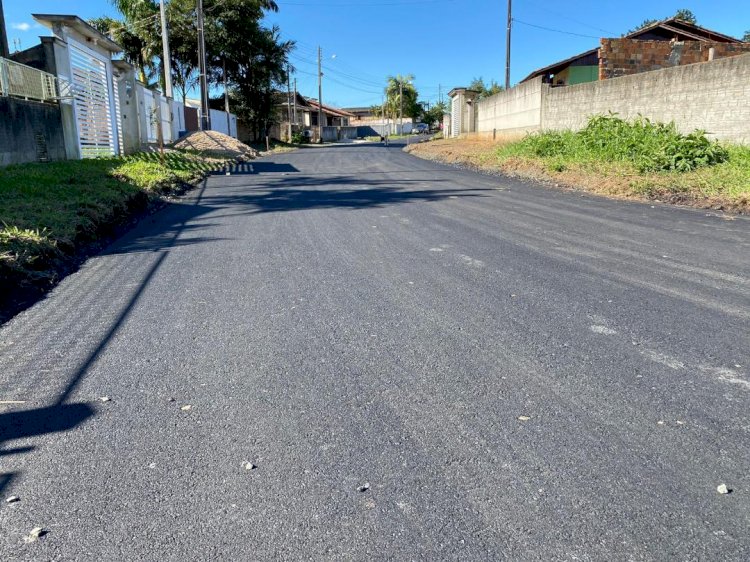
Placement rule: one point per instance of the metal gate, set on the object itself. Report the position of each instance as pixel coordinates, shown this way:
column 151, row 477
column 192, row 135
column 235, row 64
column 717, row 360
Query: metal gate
column 97, row 133
column 455, row 116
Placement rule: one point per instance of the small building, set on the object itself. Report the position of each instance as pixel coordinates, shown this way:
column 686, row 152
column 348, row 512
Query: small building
column 81, row 58
column 670, row 42
column 463, row 111
column 332, row 116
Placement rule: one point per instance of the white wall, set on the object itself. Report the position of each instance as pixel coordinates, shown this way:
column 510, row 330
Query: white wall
column 219, row 122
column 516, row 110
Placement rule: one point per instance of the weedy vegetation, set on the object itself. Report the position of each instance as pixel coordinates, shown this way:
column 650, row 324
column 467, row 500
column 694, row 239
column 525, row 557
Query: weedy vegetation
column 613, row 156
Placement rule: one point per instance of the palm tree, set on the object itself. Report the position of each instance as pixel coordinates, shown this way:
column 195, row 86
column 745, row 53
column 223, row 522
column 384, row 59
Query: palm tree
column 397, row 87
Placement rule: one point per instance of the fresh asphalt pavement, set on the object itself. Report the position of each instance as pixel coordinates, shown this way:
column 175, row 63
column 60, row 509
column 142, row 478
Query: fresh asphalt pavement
column 420, row 362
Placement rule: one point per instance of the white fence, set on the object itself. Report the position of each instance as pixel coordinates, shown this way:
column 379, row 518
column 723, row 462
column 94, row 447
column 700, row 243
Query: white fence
column 220, row 123
column 26, row 82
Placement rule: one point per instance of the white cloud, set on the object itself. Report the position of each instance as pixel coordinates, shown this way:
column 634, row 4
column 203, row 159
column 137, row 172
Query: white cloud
column 21, row 26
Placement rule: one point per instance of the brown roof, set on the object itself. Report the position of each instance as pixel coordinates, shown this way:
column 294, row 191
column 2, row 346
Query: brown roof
column 671, row 25
column 336, row 112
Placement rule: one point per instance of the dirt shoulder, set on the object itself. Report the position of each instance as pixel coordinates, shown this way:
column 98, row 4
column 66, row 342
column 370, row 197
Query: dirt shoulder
column 725, row 187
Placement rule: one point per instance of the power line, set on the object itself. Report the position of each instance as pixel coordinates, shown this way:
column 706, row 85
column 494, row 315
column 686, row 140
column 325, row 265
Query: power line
column 554, row 30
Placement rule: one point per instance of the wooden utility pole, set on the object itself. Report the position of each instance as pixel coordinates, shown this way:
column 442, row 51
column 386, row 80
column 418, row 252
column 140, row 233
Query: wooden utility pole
column 295, row 101
column 226, row 96
column 205, row 111
column 320, row 95
column 3, row 36
column 507, row 46
column 165, row 50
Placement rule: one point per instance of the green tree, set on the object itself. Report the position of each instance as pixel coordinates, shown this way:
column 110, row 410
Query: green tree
column 683, row 14
column 435, row 113
column 746, row 37
column 397, row 87
column 141, row 20
column 686, row 15
column 135, row 50
column 485, row 90
column 255, row 57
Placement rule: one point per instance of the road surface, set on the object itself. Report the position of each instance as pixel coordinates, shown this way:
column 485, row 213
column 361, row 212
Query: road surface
column 420, row 362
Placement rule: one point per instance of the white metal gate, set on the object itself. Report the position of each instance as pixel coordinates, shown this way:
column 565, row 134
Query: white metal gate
column 455, row 116
column 97, row 133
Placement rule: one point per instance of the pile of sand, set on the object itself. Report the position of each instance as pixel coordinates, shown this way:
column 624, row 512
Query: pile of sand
column 217, row 144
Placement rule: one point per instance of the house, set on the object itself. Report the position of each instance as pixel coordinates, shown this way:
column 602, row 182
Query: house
column 332, row 116
column 670, row 42
column 81, row 59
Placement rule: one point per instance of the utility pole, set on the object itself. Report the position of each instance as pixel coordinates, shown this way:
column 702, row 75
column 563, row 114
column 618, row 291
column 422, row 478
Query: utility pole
column 382, row 115
column 440, row 93
column 320, row 96
column 165, row 48
column 226, row 96
column 295, row 101
column 289, row 103
column 205, row 111
column 507, row 47
column 3, row 36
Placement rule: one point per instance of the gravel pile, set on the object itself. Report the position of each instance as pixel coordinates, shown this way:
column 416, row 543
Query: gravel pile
column 217, row 144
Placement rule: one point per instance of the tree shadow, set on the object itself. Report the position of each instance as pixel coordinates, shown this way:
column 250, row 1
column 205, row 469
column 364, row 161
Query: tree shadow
column 307, row 192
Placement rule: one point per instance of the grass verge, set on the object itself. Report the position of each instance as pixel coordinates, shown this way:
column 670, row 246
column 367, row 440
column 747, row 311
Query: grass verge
column 636, row 159
column 52, row 213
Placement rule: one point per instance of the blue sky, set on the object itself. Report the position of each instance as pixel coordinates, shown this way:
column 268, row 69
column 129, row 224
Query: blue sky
column 443, row 43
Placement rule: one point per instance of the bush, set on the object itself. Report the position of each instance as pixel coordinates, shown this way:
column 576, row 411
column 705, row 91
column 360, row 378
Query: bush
column 650, row 146
column 299, row 138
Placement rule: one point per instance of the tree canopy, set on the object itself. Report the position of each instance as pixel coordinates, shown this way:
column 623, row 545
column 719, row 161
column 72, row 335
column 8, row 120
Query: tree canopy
column 435, row 113
column 683, row 14
column 485, row 90
column 255, row 57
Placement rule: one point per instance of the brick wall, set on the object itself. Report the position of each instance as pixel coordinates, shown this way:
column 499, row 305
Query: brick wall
column 713, row 96
column 623, row 57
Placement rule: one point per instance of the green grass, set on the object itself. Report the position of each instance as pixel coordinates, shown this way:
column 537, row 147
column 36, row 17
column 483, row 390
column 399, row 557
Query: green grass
column 652, row 159
column 47, row 211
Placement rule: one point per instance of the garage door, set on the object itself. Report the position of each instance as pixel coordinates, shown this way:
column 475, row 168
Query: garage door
column 93, row 103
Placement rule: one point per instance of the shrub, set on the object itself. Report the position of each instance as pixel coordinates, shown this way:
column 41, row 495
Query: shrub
column 650, row 146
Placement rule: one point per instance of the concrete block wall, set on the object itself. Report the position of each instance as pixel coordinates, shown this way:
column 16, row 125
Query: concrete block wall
column 713, row 96
column 515, row 110
column 30, row 131
column 623, row 57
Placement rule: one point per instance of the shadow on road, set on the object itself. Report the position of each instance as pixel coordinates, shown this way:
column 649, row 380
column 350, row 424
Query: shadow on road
column 24, row 424
column 274, row 200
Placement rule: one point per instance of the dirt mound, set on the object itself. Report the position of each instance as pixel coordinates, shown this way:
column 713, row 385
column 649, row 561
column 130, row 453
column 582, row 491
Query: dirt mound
column 217, row 144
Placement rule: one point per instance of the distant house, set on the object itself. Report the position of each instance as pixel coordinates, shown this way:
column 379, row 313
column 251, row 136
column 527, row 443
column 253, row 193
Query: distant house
column 333, row 116
column 670, row 42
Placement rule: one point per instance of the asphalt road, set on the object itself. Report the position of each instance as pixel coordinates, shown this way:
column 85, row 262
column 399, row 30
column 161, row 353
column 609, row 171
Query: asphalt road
column 352, row 315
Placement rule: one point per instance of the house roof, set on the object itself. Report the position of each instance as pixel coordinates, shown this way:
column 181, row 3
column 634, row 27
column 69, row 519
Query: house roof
column 282, row 99
column 460, row 89
column 76, row 23
column 328, row 109
column 671, row 26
